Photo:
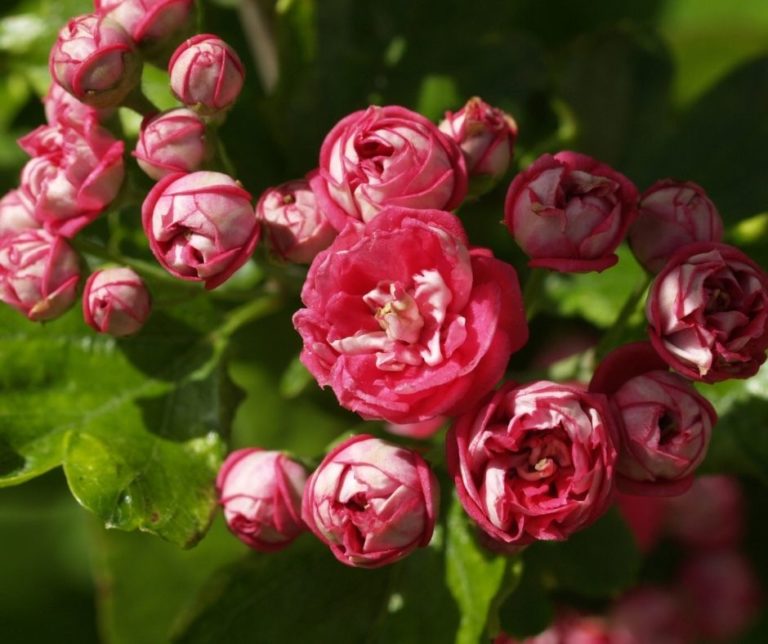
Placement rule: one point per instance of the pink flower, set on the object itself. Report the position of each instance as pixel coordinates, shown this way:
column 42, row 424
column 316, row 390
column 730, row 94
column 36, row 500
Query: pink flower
column 664, row 423
column 95, row 61
column 371, row 502
column 17, row 212
column 571, row 627
column 486, row 136
column 38, row 274
column 672, row 214
column 206, row 74
column 387, row 156
column 297, row 228
column 569, row 212
column 171, row 142
column 404, row 322
column 708, row 313
column 74, row 175
column 148, row 20
column 534, row 462
column 260, row 492
column 651, row 615
column 61, row 108
column 710, row 514
column 116, row 301
column 420, row 430
column 201, row 226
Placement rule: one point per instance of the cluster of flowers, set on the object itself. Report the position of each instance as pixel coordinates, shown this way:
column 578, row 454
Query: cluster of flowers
column 714, row 595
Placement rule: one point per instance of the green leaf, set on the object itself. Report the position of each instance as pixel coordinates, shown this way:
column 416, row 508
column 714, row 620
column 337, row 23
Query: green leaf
column 474, row 575
column 527, row 610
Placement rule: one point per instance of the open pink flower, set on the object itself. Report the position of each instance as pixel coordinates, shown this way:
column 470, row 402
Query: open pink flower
column 569, row 212
column 371, row 502
column 534, row 462
column 404, row 322
column 708, row 313
column 148, row 21
column 116, row 301
column 387, row 156
column 260, row 492
column 171, row 142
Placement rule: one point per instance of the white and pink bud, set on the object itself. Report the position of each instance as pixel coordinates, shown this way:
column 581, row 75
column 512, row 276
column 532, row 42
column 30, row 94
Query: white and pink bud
column 171, row 142
column 95, row 60
column 38, row 274
column 206, row 74
column 297, row 228
column 17, row 212
column 148, row 22
column 260, row 492
column 61, row 108
column 201, row 226
column 672, row 214
column 116, row 302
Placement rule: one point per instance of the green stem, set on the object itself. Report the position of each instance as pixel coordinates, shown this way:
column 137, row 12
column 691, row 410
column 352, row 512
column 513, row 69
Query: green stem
column 220, row 160
column 139, row 103
column 534, row 287
column 614, row 334
column 242, row 315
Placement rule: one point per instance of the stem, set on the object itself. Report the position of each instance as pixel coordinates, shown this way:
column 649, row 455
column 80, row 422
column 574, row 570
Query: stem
column 533, row 289
column 221, row 160
column 617, row 329
column 261, row 41
column 139, row 103
column 239, row 317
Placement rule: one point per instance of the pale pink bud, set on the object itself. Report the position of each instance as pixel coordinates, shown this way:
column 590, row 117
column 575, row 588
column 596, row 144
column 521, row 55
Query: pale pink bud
column 486, row 136
column 61, row 108
column 38, row 274
column 201, row 226
column 17, row 212
column 371, row 502
column 148, row 21
column 171, row 142
column 297, row 228
column 260, row 492
column 95, row 60
column 672, row 214
column 116, row 301
column 206, row 74
column 569, row 212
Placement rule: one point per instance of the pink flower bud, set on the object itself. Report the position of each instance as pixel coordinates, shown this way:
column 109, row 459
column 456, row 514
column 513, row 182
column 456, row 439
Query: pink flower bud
column 260, row 492
column 569, row 212
column 664, row 423
column 387, row 156
column 650, row 615
column 534, row 462
column 371, row 502
column 148, row 21
column 206, row 74
column 61, row 108
column 201, row 226
column 116, row 301
column 422, row 430
column 17, row 212
column 486, row 136
column 95, row 61
column 644, row 515
column 710, row 514
column 171, row 142
column 708, row 313
column 297, row 228
column 38, row 274
column 722, row 593
column 74, row 175
column 672, row 214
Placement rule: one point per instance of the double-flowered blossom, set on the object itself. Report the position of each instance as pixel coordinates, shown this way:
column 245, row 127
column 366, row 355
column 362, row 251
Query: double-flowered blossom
column 260, row 492
column 201, row 226
column 371, row 502
column 39, row 273
column 569, row 212
column 387, row 156
column 171, row 142
column 672, row 214
column 116, row 301
column 664, row 424
column 534, row 462
column 148, row 21
column 404, row 322
column 95, row 60
column 708, row 313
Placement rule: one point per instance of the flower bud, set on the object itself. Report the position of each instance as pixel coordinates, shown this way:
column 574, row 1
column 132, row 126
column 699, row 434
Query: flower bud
column 260, row 492
column 116, row 301
column 61, row 108
column 644, row 516
column 38, row 274
column 148, row 21
column 486, row 136
column 650, row 615
column 95, row 61
column 171, row 142
column 371, row 502
column 206, row 74
column 201, row 226
column 672, row 214
column 297, row 228
column 569, row 212
column 17, row 212
column 421, row 430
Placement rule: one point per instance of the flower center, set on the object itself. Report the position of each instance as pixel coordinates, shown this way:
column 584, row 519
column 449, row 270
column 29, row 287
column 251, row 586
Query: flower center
column 546, row 456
